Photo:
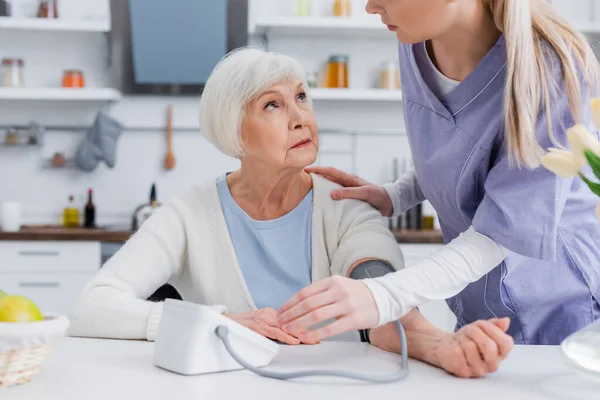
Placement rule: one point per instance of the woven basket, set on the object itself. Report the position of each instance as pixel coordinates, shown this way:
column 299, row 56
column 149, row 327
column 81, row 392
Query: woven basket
column 24, row 347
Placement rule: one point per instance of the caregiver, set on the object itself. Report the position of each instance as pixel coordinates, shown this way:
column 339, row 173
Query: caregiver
column 487, row 86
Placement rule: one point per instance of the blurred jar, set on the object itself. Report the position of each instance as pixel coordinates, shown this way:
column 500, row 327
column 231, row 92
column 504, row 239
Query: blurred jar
column 73, row 79
column 312, row 79
column 389, row 76
column 12, row 72
column 337, row 71
column 302, row 8
column 48, row 9
column 342, row 8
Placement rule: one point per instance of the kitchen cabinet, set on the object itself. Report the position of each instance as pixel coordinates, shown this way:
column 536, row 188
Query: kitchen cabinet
column 437, row 312
column 52, row 274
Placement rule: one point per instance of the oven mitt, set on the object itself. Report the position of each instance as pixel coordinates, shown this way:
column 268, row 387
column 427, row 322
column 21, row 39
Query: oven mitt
column 108, row 131
column 99, row 144
column 89, row 153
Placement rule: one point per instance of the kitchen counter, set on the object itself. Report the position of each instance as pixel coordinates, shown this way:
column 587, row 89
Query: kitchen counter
column 57, row 233
column 93, row 369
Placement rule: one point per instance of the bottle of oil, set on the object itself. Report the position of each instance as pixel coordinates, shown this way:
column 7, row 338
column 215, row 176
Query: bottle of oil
column 71, row 214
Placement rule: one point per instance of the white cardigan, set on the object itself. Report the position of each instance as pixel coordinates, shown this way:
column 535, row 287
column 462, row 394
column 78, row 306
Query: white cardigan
column 186, row 243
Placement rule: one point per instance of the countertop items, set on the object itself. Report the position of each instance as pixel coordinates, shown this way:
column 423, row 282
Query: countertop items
column 80, row 369
column 418, row 237
column 170, row 155
column 13, row 75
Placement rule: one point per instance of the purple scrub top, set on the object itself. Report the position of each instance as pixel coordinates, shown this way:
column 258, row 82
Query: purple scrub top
column 550, row 284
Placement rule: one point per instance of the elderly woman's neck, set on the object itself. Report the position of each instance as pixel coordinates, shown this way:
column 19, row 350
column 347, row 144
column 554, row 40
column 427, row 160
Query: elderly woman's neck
column 268, row 194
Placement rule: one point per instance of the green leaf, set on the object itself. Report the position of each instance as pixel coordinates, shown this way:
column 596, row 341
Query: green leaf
column 594, row 162
column 594, row 187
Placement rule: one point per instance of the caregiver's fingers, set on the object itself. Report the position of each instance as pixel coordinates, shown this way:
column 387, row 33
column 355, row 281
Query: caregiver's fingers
column 307, row 306
column 476, row 363
column 504, row 341
column 307, row 292
column 314, row 317
column 363, row 193
column 486, row 345
column 340, row 326
column 340, row 177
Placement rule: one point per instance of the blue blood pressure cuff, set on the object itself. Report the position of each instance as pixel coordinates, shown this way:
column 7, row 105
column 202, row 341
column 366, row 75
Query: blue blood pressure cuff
column 367, row 270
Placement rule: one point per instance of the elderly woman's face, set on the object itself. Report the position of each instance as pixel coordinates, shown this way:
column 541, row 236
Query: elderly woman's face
column 280, row 127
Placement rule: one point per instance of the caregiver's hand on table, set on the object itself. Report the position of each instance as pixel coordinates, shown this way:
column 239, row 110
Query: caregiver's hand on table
column 356, row 188
column 264, row 322
column 347, row 300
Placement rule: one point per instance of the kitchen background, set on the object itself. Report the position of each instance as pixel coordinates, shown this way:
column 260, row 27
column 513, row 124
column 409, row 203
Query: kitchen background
column 361, row 127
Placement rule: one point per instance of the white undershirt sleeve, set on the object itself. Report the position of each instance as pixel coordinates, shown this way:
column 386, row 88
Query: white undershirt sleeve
column 439, row 276
column 405, row 192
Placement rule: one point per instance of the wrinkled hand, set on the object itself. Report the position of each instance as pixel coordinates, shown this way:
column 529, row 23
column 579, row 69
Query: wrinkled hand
column 476, row 349
column 347, row 300
column 264, row 322
column 356, row 188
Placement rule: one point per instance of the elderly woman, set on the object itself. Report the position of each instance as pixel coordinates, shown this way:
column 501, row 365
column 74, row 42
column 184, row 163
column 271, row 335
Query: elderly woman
column 249, row 240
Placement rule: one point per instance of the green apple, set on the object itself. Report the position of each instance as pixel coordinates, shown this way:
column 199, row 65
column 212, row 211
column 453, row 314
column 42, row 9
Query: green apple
column 16, row 308
column 2, row 293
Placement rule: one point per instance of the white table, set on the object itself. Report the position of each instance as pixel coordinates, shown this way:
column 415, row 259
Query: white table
column 89, row 369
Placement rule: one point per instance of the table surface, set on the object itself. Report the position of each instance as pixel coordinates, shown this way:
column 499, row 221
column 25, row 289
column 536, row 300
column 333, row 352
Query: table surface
column 93, row 369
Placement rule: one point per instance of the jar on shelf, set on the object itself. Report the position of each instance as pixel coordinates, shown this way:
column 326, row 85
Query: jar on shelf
column 389, row 76
column 12, row 137
column 342, row 8
column 302, row 8
column 73, row 78
column 337, row 71
column 312, row 79
column 48, row 9
column 12, row 73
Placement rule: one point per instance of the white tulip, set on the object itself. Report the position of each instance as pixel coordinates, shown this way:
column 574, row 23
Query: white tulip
column 561, row 162
column 595, row 106
column 580, row 139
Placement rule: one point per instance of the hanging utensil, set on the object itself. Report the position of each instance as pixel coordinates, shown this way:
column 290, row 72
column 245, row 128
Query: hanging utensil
column 170, row 156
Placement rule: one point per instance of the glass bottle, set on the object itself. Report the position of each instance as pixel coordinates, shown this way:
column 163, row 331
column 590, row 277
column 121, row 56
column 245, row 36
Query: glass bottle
column 302, row 8
column 71, row 214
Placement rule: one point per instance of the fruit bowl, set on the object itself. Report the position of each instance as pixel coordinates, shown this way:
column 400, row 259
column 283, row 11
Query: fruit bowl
column 25, row 345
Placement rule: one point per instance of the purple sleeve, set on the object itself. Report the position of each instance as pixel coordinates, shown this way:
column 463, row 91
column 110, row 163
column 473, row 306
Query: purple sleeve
column 521, row 208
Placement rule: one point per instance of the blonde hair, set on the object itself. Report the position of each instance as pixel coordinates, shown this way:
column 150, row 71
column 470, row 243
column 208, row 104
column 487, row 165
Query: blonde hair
column 530, row 28
column 238, row 78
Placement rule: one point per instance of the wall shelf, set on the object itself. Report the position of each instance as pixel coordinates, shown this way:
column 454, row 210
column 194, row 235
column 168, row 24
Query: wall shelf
column 325, row 26
column 45, row 24
column 60, row 94
column 322, row 94
column 588, row 27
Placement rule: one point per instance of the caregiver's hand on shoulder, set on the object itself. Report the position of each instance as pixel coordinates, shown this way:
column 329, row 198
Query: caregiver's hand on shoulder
column 347, row 300
column 476, row 349
column 356, row 188
column 264, row 322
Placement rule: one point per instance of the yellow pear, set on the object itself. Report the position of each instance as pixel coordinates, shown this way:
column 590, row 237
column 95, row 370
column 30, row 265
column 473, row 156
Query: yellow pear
column 16, row 308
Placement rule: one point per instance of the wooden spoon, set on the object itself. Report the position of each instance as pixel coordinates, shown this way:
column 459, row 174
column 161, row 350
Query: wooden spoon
column 170, row 156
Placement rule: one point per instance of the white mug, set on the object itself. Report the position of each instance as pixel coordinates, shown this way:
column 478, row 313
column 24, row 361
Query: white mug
column 10, row 216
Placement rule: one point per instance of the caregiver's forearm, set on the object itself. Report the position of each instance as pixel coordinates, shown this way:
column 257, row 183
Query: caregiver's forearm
column 439, row 276
column 422, row 337
column 405, row 193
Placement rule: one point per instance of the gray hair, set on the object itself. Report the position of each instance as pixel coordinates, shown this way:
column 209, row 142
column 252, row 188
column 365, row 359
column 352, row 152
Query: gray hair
column 238, row 78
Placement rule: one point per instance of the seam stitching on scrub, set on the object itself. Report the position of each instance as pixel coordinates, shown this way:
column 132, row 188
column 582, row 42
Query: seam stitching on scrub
column 580, row 273
column 503, row 264
column 459, row 183
column 430, row 108
column 485, row 296
column 482, row 90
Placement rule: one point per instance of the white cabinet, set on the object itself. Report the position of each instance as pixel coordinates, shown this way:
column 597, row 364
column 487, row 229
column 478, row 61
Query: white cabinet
column 53, row 293
column 52, row 274
column 437, row 312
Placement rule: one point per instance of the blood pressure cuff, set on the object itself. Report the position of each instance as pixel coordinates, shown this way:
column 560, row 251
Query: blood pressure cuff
column 367, row 270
